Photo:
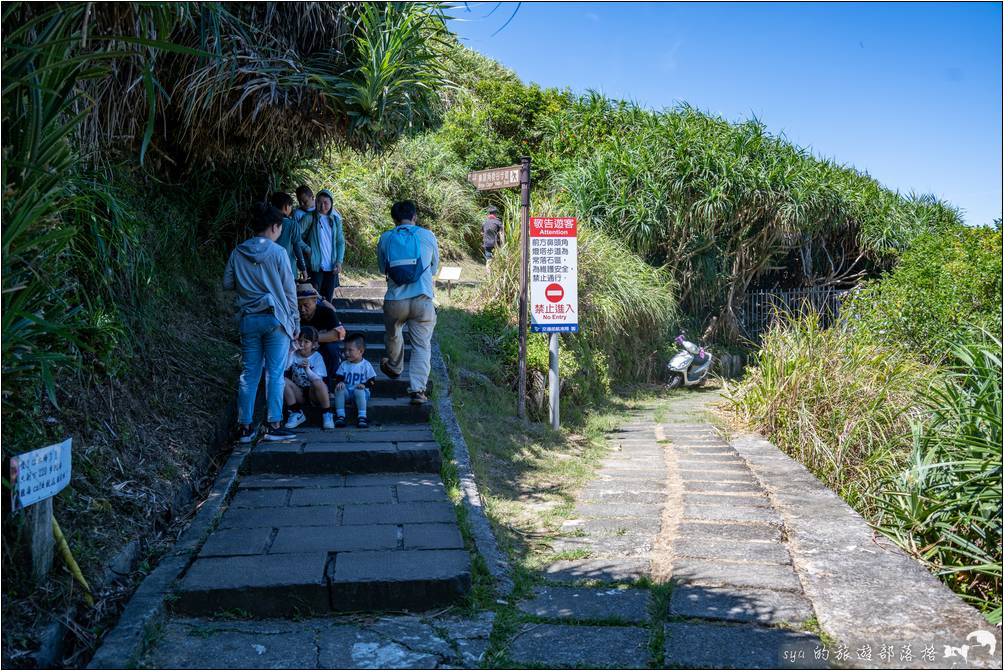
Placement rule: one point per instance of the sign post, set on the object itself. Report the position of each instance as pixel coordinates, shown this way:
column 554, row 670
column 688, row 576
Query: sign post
column 554, row 290
column 502, row 178
column 35, row 477
column 524, row 241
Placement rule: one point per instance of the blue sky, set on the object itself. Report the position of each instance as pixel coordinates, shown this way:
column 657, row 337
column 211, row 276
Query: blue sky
column 908, row 92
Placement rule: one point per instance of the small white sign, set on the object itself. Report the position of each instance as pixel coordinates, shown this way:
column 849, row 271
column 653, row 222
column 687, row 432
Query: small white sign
column 554, row 289
column 39, row 474
column 450, row 272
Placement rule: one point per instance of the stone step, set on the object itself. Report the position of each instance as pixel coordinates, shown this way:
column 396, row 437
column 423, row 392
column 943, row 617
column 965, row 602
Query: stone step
column 374, row 333
column 319, row 457
column 357, row 316
column 388, row 388
column 368, row 302
column 379, row 410
column 291, row 545
column 376, row 351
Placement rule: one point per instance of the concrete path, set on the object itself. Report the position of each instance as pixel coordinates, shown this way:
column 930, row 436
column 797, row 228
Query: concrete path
column 392, row 642
column 686, row 551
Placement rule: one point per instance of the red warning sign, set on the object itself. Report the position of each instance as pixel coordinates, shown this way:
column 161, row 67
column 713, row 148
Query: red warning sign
column 554, row 292
column 553, row 277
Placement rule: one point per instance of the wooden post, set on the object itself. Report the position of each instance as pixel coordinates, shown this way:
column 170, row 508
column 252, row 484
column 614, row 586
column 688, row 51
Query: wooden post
column 38, row 537
column 524, row 280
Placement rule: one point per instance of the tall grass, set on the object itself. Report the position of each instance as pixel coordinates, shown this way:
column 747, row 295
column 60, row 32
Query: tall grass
column 838, row 404
column 945, row 506
column 915, row 448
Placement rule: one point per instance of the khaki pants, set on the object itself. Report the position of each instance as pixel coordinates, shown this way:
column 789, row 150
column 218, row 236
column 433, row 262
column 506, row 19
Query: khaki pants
column 420, row 315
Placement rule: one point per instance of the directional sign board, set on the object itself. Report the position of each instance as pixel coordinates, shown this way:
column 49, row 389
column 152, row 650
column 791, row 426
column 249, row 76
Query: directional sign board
column 39, row 474
column 554, row 290
column 496, row 178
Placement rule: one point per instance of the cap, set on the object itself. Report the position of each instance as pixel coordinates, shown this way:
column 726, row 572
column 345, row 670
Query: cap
column 306, row 292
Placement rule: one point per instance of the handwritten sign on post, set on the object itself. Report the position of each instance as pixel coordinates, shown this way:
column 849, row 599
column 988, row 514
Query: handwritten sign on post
column 39, row 474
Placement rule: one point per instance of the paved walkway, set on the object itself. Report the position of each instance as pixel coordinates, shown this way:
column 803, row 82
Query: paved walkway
column 684, row 552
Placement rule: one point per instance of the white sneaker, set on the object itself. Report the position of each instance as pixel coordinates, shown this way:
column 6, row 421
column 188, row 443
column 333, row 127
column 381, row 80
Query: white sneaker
column 295, row 419
column 329, row 421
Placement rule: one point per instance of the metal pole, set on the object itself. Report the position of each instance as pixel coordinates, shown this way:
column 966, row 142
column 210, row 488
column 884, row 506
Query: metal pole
column 554, row 382
column 524, row 184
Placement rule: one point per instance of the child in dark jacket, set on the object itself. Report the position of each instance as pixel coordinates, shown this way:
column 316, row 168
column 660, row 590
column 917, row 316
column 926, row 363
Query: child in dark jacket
column 291, row 240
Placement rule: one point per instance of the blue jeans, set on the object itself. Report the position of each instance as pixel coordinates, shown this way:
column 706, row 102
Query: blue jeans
column 360, row 396
column 262, row 338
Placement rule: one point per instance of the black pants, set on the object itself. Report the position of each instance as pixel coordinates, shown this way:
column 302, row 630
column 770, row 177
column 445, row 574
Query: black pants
column 325, row 282
column 331, row 352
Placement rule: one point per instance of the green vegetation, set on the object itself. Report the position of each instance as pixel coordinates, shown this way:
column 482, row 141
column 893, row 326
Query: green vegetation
column 720, row 204
column 135, row 135
column 837, row 403
column 944, row 506
column 898, row 407
column 114, row 330
column 945, row 289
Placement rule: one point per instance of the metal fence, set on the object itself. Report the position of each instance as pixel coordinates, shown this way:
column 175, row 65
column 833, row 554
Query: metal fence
column 762, row 308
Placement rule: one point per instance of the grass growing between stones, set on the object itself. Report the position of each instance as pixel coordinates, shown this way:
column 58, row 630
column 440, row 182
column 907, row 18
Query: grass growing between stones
column 482, row 587
column 527, row 473
column 658, row 609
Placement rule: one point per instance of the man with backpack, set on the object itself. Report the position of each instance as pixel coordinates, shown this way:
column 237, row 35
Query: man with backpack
column 409, row 257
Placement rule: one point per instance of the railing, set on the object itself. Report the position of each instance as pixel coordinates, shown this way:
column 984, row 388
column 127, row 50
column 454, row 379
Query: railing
column 762, row 308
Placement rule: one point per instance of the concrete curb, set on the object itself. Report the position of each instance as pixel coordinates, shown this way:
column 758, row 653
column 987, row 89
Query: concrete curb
column 125, row 644
column 481, row 528
column 865, row 590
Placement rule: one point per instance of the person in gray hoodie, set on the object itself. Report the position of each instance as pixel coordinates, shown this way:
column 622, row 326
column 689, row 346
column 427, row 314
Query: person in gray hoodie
column 259, row 271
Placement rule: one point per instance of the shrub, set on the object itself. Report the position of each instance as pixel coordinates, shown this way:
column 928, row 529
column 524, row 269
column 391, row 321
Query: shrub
column 838, row 404
column 584, row 372
column 723, row 204
column 945, row 289
column 499, row 121
column 945, row 506
column 365, row 185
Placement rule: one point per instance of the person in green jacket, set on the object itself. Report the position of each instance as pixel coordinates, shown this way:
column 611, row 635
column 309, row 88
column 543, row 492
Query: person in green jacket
column 322, row 231
column 290, row 239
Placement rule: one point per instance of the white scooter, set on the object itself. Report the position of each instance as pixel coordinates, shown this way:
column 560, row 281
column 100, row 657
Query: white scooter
column 690, row 366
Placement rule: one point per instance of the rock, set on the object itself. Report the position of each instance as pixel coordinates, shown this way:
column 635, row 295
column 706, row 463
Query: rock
column 572, row 603
column 563, row 646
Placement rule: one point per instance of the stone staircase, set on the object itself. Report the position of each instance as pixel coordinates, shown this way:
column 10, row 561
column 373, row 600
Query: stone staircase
column 337, row 521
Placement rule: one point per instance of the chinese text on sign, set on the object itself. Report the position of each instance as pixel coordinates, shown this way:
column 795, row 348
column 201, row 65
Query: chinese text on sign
column 554, row 295
column 39, row 474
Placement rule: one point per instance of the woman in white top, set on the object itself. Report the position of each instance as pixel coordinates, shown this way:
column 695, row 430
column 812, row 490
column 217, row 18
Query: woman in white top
column 323, row 233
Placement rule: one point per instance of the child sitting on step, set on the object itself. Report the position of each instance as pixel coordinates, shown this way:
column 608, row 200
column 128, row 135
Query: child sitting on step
column 355, row 379
column 306, row 373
